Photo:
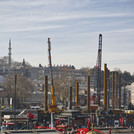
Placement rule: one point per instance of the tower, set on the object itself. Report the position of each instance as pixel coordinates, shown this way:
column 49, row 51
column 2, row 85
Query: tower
column 23, row 63
column 23, row 67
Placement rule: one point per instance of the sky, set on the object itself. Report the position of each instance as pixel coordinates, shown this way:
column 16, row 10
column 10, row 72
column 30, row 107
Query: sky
column 73, row 27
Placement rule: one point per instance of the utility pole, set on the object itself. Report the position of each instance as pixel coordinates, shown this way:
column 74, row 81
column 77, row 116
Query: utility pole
column 105, row 87
column 77, row 94
column 88, row 94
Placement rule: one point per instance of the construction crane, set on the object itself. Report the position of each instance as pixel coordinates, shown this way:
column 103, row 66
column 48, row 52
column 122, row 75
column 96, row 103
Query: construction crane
column 98, row 68
column 53, row 107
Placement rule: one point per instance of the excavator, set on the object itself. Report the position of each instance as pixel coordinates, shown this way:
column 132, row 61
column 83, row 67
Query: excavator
column 52, row 108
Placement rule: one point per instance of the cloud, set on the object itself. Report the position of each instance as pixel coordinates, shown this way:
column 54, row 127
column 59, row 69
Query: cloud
column 59, row 16
column 74, row 26
column 26, row 29
column 27, row 3
column 122, row 1
column 28, row 21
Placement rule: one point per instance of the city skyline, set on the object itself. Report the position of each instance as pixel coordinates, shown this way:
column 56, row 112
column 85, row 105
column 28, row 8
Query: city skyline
column 73, row 28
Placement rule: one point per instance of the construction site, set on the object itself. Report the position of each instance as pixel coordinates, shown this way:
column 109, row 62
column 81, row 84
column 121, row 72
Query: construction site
column 102, row 111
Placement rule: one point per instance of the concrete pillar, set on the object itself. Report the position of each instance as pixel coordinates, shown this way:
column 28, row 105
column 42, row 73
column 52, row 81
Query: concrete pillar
column 77, row 94
column 113, row 90
column 108, row 88
column 116, row 89
column 45, row 93
column 105, row 87
column 88, row 94
column 70, row 98
column 119, row 91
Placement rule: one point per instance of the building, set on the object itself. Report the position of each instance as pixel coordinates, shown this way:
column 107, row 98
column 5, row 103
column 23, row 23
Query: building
column 132, row 97
column 78, row 74
column 129, row 93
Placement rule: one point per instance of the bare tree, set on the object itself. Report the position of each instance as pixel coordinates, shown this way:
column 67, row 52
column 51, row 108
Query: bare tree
column 62, row 83
column 23, row 87
column 87, row 70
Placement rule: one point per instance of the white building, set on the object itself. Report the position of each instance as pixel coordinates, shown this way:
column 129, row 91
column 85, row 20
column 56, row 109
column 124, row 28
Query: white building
column 131, row 89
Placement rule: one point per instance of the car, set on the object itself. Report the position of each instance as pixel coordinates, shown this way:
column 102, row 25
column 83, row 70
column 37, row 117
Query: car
column 6, row 109
column 35, row 107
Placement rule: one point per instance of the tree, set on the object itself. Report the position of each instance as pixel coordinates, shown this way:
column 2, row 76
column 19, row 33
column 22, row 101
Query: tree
column 130, row 106
column 62, row 83
column 117, row 70
column 127, row 78
column 14, row 64
column 87, row 70
column 23, row 87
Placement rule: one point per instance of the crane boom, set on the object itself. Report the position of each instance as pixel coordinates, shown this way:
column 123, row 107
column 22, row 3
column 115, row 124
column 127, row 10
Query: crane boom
column 98, row 66
column 50, row 61
column 51, row 75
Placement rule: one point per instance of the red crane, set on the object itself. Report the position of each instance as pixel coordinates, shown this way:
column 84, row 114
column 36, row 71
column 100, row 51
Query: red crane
column 98, row 68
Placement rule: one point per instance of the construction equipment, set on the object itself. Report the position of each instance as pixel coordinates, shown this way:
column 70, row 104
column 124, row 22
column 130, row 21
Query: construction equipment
column 98, row 68
column 53, row 107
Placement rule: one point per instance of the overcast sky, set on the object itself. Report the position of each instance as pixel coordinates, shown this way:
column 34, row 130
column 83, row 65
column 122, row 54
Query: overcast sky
column 74, row 27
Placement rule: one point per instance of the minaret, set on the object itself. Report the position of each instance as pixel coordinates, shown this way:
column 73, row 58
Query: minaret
column 9, row 56
column 23, row 63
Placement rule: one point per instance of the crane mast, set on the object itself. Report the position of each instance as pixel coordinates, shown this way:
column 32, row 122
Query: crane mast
column 51, row 75
column 98, row 67
column 53, row 108
column 99, row 52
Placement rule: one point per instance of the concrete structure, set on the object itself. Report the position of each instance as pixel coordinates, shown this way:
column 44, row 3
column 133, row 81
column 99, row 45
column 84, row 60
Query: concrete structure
column 19, row 118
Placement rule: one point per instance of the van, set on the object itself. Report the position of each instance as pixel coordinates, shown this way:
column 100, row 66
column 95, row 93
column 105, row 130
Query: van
column 116, row 123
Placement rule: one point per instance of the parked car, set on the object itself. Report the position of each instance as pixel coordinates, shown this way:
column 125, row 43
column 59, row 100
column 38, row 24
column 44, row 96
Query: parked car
column 35, row 107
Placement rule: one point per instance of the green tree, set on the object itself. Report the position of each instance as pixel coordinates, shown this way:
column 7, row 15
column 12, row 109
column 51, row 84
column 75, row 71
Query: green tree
column 127, row 78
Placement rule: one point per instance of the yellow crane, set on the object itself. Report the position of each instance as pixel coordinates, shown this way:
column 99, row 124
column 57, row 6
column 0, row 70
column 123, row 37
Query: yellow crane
column 53, row 107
